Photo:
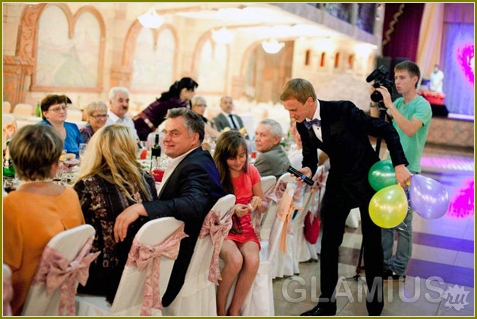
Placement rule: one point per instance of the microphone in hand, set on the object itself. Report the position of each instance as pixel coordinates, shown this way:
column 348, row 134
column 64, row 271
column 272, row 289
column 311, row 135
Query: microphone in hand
column 295, row 172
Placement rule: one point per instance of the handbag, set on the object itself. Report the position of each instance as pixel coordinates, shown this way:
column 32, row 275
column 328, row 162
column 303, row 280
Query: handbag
column 312, row 225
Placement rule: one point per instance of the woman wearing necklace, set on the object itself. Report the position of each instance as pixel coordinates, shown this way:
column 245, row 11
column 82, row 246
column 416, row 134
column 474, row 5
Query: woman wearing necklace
column 38, row 209
column 54, row 110
column 110, row 180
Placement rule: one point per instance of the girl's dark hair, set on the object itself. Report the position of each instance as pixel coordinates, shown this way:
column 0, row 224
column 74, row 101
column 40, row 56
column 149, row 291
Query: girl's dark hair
column 228, row 145
column 177, row 86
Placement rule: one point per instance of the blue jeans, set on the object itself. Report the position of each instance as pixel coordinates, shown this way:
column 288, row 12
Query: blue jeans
column 398, row 262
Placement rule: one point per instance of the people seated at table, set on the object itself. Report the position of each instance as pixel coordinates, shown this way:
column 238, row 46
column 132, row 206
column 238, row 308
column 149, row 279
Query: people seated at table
column 179, row 95
column 111, row 179
column 54, row 111
column 272, row 159
column 198, row 106
column 119, row 108
column 240, row 249
column 97, row 115
column 38, row 209
column 189, row 189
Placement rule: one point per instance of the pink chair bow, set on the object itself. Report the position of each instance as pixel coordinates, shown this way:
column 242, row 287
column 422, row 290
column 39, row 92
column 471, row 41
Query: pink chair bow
column 284, row 213
column 56, row 271
column 217, row 228
column 142, row 256
column 320, row 182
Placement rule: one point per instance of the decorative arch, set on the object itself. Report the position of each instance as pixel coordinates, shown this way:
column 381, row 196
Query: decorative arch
column 72, row 21
column 123, row 75
column 197, row 60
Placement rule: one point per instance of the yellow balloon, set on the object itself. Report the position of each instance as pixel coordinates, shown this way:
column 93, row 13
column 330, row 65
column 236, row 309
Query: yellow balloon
column 388, row 207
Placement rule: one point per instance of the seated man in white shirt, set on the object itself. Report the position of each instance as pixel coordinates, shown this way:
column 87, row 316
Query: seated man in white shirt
column 119, row 107
column 227, row 118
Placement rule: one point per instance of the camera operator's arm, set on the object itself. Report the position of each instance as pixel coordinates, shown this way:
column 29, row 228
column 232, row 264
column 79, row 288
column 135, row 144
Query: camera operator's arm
column 373, row 107
column 409, row 127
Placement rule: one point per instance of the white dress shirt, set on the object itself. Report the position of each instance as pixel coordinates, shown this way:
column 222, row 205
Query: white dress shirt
column 316, row 129
column 126, row 120
column 227, row 116
column 173, row 162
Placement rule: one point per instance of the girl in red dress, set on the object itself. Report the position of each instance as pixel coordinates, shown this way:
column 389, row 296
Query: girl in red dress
column 240, row 249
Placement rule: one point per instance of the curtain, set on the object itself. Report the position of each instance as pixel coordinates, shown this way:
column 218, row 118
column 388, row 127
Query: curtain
column 404, row 38
column 430, row 40
column 458, row 67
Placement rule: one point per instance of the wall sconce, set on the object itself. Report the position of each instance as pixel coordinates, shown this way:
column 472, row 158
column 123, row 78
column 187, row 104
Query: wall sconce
column 151, row 19
column 222, row 36
column 272, row 46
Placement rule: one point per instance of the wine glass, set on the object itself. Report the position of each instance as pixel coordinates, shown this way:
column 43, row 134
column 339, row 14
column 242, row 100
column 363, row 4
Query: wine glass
column 82, row 148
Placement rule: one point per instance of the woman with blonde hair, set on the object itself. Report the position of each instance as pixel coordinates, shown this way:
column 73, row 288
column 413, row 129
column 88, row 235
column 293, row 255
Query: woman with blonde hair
column 38, row 209
column 97, row 115
column 110, row 180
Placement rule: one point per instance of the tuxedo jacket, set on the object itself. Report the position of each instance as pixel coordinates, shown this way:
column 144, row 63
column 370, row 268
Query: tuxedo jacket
column 345, row 133
column 222, row 122
column 189, row 193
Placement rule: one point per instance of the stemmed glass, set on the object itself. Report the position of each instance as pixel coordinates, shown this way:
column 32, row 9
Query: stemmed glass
column 82, row 148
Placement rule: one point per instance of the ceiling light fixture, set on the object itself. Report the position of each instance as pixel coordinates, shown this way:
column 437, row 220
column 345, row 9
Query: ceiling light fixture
column 222, row 36
column 151, row 19
column 272, row 46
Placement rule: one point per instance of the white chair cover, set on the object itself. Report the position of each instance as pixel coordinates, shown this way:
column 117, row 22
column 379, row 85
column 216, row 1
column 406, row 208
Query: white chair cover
column 311, row 202
column 283, row 261
column 65, row 261
column 154, row 236
column 197, row 296
column 268, row 184
column 23, row 109
column 7, row 290
column 259, row 301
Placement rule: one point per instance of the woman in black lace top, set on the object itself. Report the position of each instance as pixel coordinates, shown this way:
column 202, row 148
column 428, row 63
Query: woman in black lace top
column 110, row 180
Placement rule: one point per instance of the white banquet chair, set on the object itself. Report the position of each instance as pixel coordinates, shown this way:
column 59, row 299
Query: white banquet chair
column 7, row 292
column 152, row 239
column 197, row 296
column 23, row 109
column 67, row 253
column 259, row 300
column 311, row 200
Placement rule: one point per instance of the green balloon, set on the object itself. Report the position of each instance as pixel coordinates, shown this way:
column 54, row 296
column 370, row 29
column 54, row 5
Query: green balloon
column 381, row 175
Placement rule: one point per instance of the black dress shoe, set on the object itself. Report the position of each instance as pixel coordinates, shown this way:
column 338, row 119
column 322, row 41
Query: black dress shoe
column 321, row 309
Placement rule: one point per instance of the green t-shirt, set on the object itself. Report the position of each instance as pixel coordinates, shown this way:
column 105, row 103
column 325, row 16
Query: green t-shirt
column 414, row 145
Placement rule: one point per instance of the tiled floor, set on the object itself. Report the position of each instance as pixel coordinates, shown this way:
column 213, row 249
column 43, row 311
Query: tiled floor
column 440, row 276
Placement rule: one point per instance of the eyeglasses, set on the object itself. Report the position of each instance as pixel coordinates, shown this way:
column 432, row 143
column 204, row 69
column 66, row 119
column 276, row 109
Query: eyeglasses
column 100, row 116
column 201, row 105
column 59, row 109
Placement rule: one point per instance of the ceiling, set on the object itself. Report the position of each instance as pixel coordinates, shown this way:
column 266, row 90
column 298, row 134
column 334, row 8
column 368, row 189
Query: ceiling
column 258, row 20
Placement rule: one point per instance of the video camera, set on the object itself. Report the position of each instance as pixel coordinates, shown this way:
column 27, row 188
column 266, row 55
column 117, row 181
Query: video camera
column 380, row 77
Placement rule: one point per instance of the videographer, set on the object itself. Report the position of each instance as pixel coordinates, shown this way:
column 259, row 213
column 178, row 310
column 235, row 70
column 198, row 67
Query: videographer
column 410, row 115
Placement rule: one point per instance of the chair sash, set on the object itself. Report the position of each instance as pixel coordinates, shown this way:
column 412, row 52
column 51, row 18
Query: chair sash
column 284, row 213
column 56, row 271
column 316, row 198
column 257, row 216
column 281, row 187
column 217, row 228
column 143, row 256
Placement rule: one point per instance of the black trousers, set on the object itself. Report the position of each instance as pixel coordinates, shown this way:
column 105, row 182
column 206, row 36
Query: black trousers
column 337, row 204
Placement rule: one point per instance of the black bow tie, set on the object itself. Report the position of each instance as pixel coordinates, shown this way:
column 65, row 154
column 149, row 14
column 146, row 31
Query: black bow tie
column 309, row 124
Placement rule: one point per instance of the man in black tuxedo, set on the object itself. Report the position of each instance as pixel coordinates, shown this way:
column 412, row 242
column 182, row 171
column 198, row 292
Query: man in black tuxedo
column 342, row 130
column 189, row 189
